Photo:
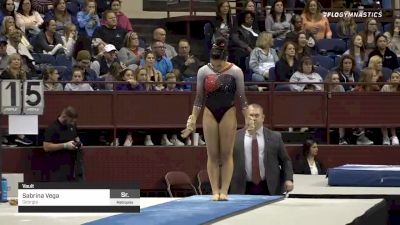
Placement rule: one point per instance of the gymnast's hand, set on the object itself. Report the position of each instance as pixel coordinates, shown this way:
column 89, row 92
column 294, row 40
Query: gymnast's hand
column 190, row 127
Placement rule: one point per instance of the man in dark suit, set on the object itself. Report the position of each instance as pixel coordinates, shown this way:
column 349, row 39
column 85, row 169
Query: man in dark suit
column 272, row 174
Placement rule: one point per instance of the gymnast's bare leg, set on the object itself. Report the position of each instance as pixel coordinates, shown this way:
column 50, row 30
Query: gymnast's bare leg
column 227, row 135
column 211, row 135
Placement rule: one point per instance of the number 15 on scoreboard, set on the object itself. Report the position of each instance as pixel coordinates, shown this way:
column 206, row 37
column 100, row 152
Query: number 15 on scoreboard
column 30, row 100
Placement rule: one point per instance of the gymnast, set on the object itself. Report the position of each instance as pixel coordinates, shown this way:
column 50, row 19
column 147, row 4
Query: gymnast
column 217, row 84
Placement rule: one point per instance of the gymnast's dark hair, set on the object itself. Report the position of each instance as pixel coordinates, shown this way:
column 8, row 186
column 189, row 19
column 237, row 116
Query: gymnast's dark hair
column 219, row 49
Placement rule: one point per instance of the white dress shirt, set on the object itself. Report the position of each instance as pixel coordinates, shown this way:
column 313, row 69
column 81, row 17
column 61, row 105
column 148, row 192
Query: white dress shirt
column 248, row 153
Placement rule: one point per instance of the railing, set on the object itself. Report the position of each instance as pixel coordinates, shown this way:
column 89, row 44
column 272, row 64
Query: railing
column 147, row 110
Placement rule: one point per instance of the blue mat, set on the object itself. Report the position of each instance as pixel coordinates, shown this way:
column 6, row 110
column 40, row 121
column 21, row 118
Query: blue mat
column 364, row 175
column 191, row 210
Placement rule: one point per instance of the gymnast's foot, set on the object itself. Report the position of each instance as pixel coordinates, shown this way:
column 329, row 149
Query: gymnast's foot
column 215, row 197
column 223, row 197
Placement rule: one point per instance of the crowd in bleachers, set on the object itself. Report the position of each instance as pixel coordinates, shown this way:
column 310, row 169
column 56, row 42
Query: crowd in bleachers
column 75, row 41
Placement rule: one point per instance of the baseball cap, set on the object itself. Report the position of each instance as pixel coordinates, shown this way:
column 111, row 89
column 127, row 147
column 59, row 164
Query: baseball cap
column 109, row 48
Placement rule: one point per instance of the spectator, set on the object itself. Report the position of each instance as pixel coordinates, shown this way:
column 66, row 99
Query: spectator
column 278, row 21
column 394, row 35
column 61, row 15
column 110, row 33
column 7, row 9
column 369, row 34
column 132, row 82
column 296, row 27
column 98, row 48
column 346, row 27
column 376, row 63
column 14, row 69
column 82, row 61
column 249, row 5
column 77, row 78
column 308, row 162
column 141, row 76
column 171, row 77
column 333, row 77
column 159, row 34
column 15, row 46
column 69, row 39
column 315, row 22
column 262, row 57
column 368, row 75
column 382, row 50
column 162, row 63
column 27, row 18
column 302, row 45
column 8, row 26
column 347, row 71
column 152, row 73
column 244, row 40
column 123, row 20
column 49, row 41
column 131, row 53
column 187, row 64
column 50, row 78
column 102, row 66
column 223, row 25
column 62, row 146
column 394, row 87
column 305, row 73
column 357, row 51
column 112, row 75
column 3, row 54
column 42, row 6
column 287, row 63
column 88, row 19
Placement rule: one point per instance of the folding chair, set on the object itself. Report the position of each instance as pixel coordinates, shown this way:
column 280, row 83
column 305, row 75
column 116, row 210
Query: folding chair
column 179, row 180
column 204, row 182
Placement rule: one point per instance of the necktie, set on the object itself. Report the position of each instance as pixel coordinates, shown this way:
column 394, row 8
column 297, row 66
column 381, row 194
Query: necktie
column 256, row 177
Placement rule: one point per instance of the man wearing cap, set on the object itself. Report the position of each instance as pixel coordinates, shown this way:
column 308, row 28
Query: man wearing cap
column 3, row 54
column 83, row 61
column 110, row 32
column 102, row 65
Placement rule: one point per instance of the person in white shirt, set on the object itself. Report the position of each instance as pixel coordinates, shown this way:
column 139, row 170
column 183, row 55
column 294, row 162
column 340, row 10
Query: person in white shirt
column 261, row 176
column 77, row 76
column 306, row 73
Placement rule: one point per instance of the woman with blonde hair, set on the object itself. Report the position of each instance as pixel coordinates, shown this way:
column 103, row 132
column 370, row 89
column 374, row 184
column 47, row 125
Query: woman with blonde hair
column 14, row 69
column 263, row 57
column 376, row 63
column 69, row 39
column 131, row 53
column 8, row 25
column 315, row 22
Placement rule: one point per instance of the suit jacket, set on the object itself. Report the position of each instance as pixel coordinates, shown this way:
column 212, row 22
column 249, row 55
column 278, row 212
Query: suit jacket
column 278, row 167
column 301, row 167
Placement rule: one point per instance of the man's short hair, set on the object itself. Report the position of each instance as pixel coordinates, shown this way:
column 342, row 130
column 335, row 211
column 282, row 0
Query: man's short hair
column 257, row 106
column 70, row 112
